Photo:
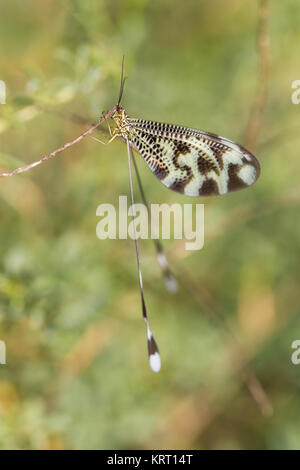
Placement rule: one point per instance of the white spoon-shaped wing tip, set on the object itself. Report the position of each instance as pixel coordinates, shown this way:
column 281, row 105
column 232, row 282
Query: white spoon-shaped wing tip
column 155, row 363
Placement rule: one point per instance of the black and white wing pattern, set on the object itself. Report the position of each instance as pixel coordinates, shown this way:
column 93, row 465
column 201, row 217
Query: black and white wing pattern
column 191, row 161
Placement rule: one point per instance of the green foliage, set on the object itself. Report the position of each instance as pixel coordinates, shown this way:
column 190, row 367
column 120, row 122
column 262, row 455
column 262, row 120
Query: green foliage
column 77, row 373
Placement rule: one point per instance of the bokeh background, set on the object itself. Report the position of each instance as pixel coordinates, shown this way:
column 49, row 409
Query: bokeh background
column 77, row 375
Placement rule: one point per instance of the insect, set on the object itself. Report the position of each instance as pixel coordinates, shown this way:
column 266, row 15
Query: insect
column 190, row 161
column 187, row 160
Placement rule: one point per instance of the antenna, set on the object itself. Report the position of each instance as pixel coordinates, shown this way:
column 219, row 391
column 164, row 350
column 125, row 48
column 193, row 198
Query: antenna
column 122, row 83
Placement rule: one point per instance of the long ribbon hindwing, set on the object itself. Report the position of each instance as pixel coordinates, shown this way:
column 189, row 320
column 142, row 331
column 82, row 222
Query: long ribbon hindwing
column 190, row 161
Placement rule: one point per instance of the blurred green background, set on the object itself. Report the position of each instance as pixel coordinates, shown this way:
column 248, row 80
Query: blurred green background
column 77, row 374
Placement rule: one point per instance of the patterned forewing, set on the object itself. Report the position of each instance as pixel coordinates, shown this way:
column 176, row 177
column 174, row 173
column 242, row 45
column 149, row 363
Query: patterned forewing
column 193, row 162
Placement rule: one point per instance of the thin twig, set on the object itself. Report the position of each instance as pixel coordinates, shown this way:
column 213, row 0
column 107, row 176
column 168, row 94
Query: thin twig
column 73, row 117
column 61, row 149
column 207, row 304
column 256, row 115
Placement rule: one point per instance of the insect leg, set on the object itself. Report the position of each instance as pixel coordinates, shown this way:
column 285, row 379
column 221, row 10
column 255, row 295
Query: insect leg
column 104, row 143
